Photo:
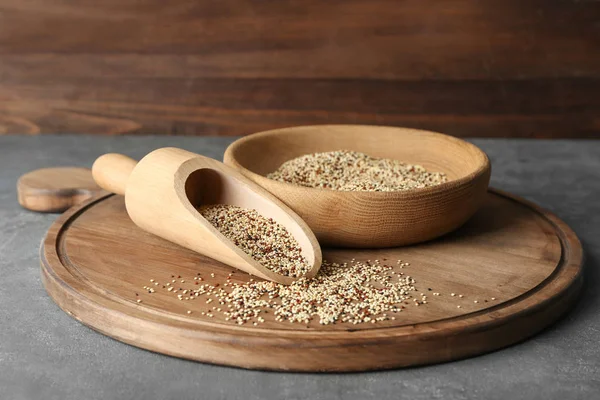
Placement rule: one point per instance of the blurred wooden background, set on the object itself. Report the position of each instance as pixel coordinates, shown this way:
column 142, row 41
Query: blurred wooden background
column 515, row 68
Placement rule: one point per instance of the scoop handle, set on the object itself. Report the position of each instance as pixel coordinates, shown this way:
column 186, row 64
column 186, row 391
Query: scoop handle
column 111, row 172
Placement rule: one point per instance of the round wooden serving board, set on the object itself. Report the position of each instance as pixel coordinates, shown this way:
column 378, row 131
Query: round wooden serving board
column 521, row 264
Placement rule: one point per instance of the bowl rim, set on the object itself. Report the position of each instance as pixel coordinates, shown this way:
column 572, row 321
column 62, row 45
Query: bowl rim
column 483, row 168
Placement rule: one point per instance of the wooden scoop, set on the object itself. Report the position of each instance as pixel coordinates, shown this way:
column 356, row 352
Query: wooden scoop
column 163, row 191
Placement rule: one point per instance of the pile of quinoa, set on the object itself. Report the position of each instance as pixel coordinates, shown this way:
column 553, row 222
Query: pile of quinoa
column 354, row 171
column 355, row 293
column 265, row 240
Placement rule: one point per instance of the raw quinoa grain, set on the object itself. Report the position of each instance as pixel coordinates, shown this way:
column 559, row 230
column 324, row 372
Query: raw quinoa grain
column 346, row 170
column 265, row 240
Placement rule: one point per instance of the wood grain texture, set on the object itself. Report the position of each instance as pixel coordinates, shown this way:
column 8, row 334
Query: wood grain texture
column 94, row 260
column 371, row 219
column 165, row 188
column 55, row 189
column 468, row 68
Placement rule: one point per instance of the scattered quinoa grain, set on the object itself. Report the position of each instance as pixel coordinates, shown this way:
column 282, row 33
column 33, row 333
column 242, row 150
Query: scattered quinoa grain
column 355, row 293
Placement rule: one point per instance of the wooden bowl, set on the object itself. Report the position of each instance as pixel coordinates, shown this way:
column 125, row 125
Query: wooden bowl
column 371, row 219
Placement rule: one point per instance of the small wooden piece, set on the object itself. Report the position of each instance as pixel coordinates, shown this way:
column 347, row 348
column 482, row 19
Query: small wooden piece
column 55, row 189
column 371, row 219
column 163, row 191
column 523, row 265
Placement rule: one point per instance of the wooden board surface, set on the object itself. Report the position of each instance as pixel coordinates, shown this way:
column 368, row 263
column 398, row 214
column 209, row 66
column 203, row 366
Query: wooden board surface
column 522, row 265
column 469, row 68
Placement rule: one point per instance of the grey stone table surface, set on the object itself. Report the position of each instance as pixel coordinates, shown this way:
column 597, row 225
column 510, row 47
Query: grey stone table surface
column 45, row 354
